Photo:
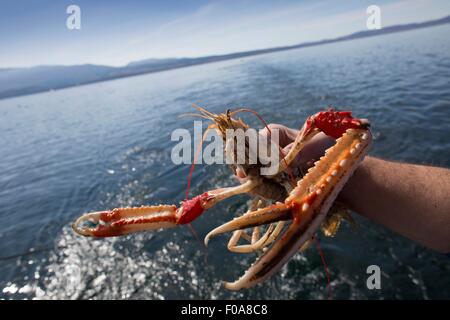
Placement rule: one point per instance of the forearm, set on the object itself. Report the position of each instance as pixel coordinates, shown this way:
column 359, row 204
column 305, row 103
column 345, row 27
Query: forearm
column 412, row 200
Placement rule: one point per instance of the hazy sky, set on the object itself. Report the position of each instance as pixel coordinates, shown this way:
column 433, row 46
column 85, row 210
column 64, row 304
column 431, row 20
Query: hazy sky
column 34, row 32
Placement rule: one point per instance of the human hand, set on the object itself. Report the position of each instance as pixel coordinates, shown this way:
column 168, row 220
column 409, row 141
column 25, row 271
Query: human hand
column 312, row 151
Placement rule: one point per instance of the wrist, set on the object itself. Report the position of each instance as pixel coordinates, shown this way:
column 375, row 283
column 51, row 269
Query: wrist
column 357, row 184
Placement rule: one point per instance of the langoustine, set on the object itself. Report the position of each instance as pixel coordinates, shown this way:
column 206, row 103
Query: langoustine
column 294, row 208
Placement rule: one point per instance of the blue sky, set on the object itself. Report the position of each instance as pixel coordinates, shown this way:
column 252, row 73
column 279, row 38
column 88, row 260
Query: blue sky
column 34, row 32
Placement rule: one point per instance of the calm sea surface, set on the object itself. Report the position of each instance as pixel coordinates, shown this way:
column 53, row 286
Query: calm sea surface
column 108, row 145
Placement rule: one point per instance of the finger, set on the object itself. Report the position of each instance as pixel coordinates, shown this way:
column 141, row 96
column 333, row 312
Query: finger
column 312, row 151
column 286, row 135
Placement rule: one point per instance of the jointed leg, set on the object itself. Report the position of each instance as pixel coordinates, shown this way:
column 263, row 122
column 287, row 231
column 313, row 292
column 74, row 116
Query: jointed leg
column 238, row 234
column 332, row 222
column 224, row 193
column 256, row 241
column 264, row 216
column 122, row 221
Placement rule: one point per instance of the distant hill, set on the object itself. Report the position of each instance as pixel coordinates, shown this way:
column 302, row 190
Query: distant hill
column 14, row 82
column 21, row 81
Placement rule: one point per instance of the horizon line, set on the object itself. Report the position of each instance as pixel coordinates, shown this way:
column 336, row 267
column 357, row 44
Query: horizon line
column 249, row 52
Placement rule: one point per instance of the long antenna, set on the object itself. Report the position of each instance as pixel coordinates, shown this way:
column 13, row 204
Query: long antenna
column 322, row 256
column 191, row 170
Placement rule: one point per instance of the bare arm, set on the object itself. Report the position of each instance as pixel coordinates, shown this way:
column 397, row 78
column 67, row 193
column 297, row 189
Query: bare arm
column 412, row 200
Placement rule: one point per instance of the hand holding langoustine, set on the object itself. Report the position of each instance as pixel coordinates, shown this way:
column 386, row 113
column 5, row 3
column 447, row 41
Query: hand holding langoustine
column 294, row 206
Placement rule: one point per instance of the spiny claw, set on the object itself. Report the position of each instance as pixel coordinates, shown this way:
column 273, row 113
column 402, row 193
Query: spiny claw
column 273, row 213
column 122, row 221
column 336, row 123
column 309, row 203
column 332, row 123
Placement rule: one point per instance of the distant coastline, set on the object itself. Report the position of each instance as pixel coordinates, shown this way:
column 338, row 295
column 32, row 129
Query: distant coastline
column 23, row 81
